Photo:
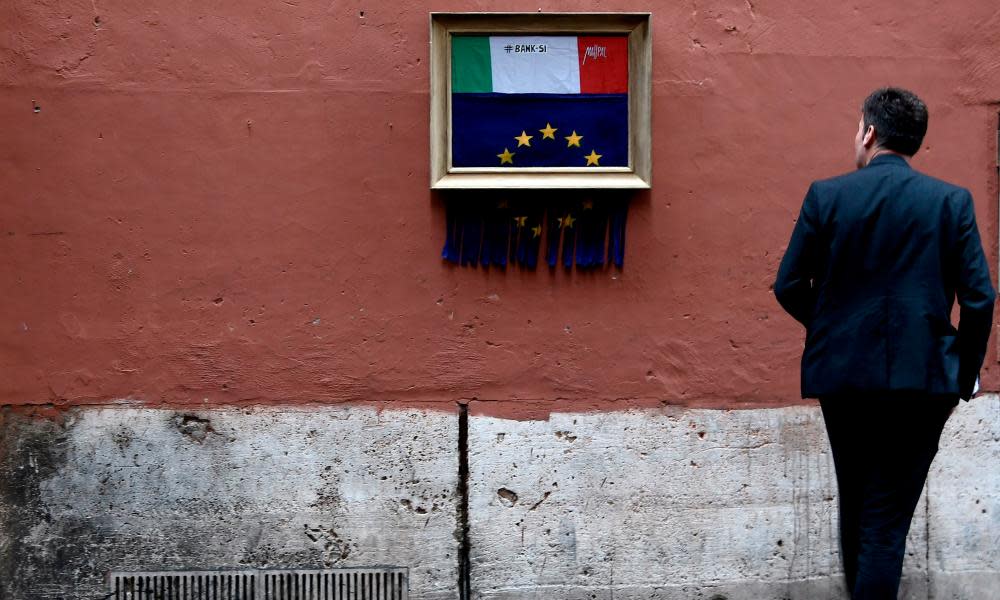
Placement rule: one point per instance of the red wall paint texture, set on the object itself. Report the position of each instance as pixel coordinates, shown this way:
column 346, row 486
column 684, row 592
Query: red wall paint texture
column 228, row 203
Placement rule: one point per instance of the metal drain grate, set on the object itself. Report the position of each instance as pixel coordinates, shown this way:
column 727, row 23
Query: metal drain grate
column 385, row 583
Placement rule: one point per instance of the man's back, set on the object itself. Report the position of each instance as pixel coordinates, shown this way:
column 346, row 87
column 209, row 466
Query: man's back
column 872, row 270
column 876, row 260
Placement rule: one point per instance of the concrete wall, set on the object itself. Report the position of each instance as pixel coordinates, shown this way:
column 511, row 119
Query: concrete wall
column 687, row 503
column 219, row 246
column 140, row 489
column 644, row 503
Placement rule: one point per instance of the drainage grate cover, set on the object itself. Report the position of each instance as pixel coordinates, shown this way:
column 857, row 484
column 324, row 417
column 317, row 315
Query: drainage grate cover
column 379, row 583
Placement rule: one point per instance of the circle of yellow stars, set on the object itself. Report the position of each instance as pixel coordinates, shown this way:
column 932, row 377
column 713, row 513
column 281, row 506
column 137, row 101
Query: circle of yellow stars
column 549, row 133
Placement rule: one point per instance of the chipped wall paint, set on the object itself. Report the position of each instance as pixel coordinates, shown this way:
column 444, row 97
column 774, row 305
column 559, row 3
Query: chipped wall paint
column 228, row 204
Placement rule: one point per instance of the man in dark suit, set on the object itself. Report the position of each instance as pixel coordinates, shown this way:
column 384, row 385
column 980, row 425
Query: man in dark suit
column 875, row 262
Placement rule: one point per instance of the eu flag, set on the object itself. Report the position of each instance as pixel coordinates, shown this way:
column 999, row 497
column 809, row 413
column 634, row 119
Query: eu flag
column 484, row 126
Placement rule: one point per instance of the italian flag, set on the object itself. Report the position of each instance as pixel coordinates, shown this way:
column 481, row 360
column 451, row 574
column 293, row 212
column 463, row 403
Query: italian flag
column 539, row 101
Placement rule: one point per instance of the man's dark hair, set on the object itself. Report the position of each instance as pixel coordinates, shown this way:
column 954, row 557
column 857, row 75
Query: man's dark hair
column 899, row 117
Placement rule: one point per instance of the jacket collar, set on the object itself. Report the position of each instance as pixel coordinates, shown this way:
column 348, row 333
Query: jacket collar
column 888, row 159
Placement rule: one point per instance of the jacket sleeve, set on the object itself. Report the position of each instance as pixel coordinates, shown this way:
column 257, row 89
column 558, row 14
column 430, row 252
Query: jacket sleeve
column 975, row 295
column 794, row 286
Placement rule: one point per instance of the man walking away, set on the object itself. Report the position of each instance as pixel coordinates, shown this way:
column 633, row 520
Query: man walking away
column 875, row 262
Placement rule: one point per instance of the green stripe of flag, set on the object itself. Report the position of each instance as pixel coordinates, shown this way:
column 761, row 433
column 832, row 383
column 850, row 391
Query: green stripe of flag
column 470, row 64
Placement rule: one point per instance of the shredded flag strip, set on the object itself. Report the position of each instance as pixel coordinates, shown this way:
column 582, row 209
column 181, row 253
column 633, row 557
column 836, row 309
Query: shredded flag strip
column 588, row 232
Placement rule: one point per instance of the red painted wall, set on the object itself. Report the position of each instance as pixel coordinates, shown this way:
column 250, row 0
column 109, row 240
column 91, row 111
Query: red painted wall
column 228, row 202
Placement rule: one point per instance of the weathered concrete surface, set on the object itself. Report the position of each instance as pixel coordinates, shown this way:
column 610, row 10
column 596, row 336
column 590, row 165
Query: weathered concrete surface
column 140, row 489
column 964, row 511
column 668, row 504
column 682, row 503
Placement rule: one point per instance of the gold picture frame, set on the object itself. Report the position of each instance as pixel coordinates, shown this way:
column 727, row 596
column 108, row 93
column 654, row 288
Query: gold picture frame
column 638, row 173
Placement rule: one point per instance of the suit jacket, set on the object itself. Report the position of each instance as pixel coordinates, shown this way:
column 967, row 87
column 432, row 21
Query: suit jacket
column 875, row 262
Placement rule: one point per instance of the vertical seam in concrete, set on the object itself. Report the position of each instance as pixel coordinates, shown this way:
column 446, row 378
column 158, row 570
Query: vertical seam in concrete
column 464, row 570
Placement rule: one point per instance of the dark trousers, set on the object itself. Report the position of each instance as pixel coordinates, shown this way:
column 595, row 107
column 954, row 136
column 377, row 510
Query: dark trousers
column 882, row 450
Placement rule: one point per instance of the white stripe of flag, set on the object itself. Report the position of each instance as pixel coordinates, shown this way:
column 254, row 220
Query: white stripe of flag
column 535, row 64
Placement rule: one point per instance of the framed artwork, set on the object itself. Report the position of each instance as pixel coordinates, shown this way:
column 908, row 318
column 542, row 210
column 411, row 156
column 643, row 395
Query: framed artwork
column 540, row 100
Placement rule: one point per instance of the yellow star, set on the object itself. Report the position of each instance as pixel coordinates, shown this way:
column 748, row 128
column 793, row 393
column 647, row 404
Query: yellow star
column 549, row 132
column 520, row 221
column 568, row 221
column 574, row 140
column 592, row 159
column 588, row 205
column 506, row 157
column 536, row 231
column 524, row 139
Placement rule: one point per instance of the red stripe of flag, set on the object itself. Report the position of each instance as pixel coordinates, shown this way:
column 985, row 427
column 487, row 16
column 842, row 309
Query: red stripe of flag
column 603, row 64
